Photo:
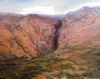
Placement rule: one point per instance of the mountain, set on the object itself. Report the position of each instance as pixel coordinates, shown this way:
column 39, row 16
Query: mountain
column 50, row 47
column 26, row 36
column 81, row 28
column 34, row 35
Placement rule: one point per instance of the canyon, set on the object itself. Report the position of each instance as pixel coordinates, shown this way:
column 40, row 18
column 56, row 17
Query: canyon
column 32, row 36
column 50, row 47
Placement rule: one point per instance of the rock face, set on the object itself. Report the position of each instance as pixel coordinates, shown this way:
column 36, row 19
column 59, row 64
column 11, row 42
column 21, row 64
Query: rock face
column 26, row 36
column 81, row 28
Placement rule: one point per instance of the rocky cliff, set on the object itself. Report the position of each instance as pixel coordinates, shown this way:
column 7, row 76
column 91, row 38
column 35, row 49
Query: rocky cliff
column 31, row 36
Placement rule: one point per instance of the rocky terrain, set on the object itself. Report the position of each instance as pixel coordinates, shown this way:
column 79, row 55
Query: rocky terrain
column 44, row 47
column 31, row 36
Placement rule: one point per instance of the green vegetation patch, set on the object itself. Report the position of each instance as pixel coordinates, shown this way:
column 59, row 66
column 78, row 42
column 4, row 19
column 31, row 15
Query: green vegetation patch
column 32, row 71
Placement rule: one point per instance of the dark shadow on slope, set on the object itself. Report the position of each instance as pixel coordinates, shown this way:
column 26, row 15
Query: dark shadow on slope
column 57, row 26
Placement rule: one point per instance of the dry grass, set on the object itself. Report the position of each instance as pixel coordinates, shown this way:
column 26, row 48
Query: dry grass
column 74, row 65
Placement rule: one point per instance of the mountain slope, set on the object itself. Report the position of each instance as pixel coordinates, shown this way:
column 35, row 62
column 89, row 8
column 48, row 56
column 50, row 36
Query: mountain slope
column 81, row 28
column 26, row 36
column 32, row 36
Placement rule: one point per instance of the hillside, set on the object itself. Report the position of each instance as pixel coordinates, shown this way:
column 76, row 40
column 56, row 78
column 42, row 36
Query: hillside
column 51, row 47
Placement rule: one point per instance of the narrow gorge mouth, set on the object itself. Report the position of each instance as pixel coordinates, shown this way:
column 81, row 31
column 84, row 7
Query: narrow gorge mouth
column 56, row 38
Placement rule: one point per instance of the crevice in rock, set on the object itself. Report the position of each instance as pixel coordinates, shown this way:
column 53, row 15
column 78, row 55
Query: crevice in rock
column 55, row 41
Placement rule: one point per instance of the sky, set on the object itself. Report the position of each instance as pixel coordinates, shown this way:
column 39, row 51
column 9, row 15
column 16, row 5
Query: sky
column 51, row 7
